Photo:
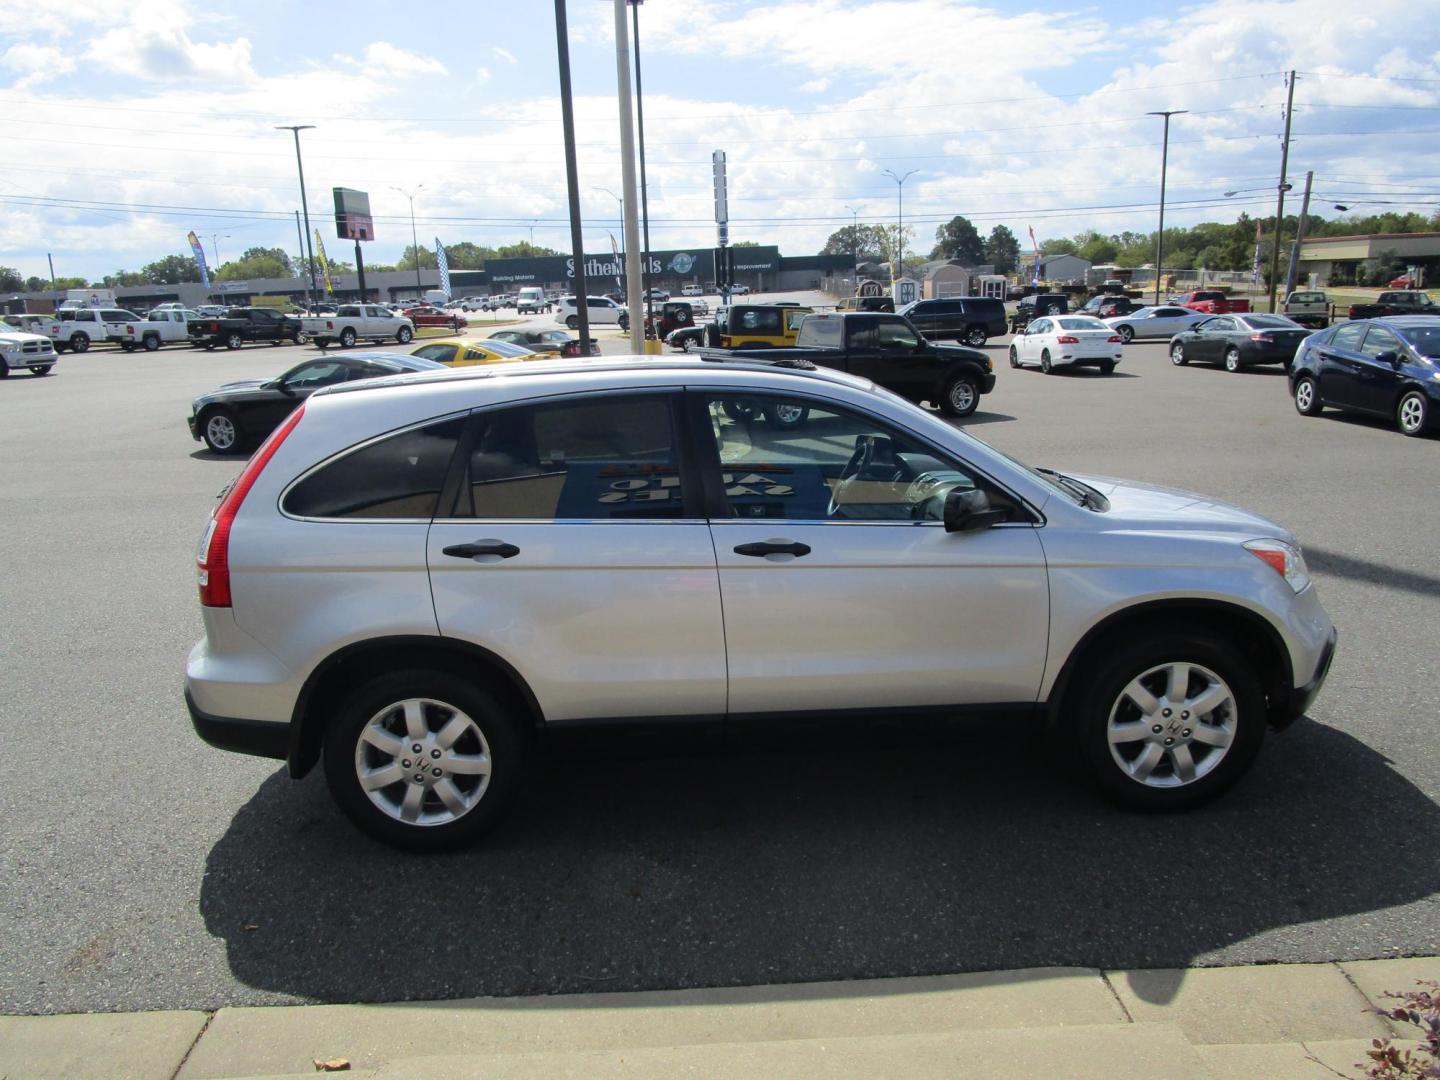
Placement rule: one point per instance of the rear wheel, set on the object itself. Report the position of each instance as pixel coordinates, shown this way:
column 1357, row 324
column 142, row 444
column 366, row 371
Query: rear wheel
column 220, row 431
column 1232, row 359
column 1108, row 367
column 573, row 322
column 1412, row 415
column 786, row 416
column 1307, row 397
column 1045, row 362
column 961, row 397
column 1177, row 355
column 424, row 760
column 624, row 323
column 975, row 336
column 1169, row 721
column 127, row 346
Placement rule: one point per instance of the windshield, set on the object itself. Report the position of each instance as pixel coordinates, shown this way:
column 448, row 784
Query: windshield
column 507, row 348
column 1269, row 322
column 1423, row 339
column 1082, row 324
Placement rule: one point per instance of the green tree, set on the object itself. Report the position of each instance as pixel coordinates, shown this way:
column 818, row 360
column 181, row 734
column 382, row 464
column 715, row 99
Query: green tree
column 1002, row 250
column 959, row 239
column 523, row 250
column 468, row 256
column 407, row 259
column 123, row 279
column 1059, row 246
column 10, row 279
column 864, row 243
column 258, row 262
column 70, row 283
column 171, row 270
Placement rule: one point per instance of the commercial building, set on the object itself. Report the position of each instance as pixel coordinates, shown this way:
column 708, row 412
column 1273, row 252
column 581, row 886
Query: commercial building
column 1332, row 260
column 1058, row 269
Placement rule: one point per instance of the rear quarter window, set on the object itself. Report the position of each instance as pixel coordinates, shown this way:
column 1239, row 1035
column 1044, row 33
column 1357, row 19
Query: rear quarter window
column 397, row 477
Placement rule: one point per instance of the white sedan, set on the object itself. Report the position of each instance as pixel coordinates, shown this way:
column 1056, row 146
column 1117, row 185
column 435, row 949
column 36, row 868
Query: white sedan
column 1154, row 322
column 1066, row 340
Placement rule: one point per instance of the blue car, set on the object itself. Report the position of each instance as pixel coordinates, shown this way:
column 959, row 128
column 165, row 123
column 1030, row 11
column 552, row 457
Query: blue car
column 1385, row 367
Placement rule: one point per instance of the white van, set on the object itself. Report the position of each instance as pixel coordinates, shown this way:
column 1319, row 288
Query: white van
column 531, row 299
column 601, row 309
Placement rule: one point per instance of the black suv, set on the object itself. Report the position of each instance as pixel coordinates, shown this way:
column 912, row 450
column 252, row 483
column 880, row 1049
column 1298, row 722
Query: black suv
column 968, row 319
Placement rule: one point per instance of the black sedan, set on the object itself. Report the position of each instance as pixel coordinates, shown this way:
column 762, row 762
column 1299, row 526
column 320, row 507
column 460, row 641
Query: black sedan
column 240, row 413
column 1238, row 341
column 1385, row 367
column 549, row 342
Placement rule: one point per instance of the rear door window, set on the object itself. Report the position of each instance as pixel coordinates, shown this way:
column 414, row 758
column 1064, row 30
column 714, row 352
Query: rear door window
column 1348, row 337
column 396, row 477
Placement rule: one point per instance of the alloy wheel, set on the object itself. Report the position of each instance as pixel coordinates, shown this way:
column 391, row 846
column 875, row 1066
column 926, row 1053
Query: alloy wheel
column 220, row 432
column 423, row 762
column 1172, row 724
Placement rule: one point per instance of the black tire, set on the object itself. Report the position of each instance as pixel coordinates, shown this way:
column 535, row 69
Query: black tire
column 1014, row 357
column 151, row 342
column 737, row 412
column 404, row 335
column 1177, row 354
column 1127, row 334
column 347, row 337
column 4, row 370
column 624, row 323
column 1107, row 368
column 1307, row 400
column 80, row 342
column 221, row 431
column 210, row 346
column 36, row 371
column 1101, row 693
column 127, row 346
column 1045, row 363
column 234, row 339
column 573, row 322
column 787, row 417
column 502, row 731
column 961, row 396
column 1412, row 414
column 1232, row 359
column 976, row 336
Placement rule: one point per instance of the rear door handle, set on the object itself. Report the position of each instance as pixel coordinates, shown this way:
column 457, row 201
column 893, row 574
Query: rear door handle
column 761, row 548
column 482, row 547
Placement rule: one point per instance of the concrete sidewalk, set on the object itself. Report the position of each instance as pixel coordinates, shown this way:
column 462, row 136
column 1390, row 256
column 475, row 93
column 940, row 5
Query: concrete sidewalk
column 1279, row 1022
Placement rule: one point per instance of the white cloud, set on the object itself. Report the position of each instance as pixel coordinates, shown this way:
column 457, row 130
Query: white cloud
column 815, row 86
column 385, row 60
column 35, row 64
column 504, row 54
column 482, row 76
column 150, row 40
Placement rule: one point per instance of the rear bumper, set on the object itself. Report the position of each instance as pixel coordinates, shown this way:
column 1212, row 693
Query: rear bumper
column 259, row 738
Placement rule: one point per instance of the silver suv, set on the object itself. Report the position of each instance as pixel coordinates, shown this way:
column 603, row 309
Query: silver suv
column 413, row 576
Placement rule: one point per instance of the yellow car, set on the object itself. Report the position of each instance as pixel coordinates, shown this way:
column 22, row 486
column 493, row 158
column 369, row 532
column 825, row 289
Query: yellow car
column 456, row 352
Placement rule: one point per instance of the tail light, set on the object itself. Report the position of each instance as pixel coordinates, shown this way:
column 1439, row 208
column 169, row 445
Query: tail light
column 1352, row 310
column 1068, row 339
column 1266, row 338
column 213, row 559
column 1114, row 337
column 329, row 325
column 130, row 329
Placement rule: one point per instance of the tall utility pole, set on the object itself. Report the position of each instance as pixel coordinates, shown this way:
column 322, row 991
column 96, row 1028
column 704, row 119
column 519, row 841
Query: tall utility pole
column 1299, row 236
column 644, row 191
column 855, row 241
column 309, row 251
column 1164, row 164
column 900, row 224
column 309, row 300
column 627, row 180
column 51, row 260
column 1280, row 200
column 414, row 241
column 572, row 175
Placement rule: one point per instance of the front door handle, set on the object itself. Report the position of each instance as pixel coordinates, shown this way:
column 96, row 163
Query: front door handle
column 761, row 548
column 482, row 547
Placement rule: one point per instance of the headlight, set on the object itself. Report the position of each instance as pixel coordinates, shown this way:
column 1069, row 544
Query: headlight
column 1283, row 559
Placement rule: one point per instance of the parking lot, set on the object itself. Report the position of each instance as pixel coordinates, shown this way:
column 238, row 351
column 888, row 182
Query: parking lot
column 151, row 871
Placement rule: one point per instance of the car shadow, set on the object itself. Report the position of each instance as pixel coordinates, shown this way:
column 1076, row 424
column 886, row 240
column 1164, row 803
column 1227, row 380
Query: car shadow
column 977, row 418
column 873, row 857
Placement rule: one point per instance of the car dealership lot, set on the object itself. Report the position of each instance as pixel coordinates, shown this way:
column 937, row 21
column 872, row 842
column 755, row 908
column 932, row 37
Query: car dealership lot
column 147, row 870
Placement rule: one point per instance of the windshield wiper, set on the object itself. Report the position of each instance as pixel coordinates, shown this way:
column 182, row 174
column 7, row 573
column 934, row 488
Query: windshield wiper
column 1087, row 496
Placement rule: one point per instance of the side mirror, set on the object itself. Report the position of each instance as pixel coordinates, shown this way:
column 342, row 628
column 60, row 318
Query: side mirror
column 1389, row 356
column 969, row 510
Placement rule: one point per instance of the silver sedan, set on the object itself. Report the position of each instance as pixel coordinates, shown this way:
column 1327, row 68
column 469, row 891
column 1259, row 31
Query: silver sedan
column 1154, row 322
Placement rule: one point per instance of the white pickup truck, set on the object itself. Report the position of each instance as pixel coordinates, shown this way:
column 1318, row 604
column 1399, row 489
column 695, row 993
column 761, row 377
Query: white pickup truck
column 354, row 322
column 79, row 328
column 163, row 326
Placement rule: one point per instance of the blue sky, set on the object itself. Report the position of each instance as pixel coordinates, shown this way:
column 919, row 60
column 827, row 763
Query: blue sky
column 119, row 141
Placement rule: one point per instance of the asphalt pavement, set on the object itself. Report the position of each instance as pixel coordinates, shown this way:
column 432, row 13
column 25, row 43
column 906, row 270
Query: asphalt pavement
column 143, row 869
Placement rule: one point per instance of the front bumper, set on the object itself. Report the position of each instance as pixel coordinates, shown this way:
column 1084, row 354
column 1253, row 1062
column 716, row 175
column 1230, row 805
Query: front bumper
column 193, row 423
column 1285, row 712
column 987, row 382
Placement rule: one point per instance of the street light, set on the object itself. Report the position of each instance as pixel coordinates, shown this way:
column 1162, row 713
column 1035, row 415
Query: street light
column 216, row 247
column 855, row 240
column 295, row 130
column 619, row 282
column 414, row 241
column 1164, row 162
column 900, row 226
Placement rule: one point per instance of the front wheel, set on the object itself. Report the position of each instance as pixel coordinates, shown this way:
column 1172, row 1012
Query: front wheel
column 573, row 322
column 80, row 343
column 961, row 397
column 404, row 335
column 1127, row 334
column 1177, row 355
column 624, row 324
column 1045, row 363
column 787, row 416
column 347, row 338
column 220, row 432
column 151, row 343
column 43, row 370
column 1014, row 357
column 1232, row 359
column 1412, row 415
column 1307, row 397
column 975, row 336
column 1170, row 721
column 423, row 760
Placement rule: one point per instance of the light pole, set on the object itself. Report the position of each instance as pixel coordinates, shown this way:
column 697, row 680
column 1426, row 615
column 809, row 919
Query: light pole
column 216, row 247
column 900, row 223
column 644, row 189
column 1164, row 162
column 532, row 234
column 414, row 241
column 618, row 283
column 295, row 130
column 855, row 242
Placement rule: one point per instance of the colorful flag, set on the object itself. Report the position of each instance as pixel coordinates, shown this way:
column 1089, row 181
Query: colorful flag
column 443, row 264
column 1255, row 265
column 199, row 251
column 1035, row 276
column 619, row 262
column 324, row 264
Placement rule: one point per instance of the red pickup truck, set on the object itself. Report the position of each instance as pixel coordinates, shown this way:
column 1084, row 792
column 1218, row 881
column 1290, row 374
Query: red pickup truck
column 1212, row 302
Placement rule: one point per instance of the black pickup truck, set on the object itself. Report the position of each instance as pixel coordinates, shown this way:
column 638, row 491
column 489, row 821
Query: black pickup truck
column 1396, row 303
column 889, row 351
column 242, row 324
